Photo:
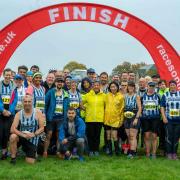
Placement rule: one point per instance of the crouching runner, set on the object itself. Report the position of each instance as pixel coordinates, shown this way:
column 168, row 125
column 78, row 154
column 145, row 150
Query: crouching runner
column 28, row 124
column 72, row 134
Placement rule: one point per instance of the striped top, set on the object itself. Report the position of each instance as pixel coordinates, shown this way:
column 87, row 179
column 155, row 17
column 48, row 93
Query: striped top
column 171, row 103
column 29, row 124
column 39, row 98
column 75, row 99
column 6, row 91
column 130, row 102
column 21, row 93
column 150, row 106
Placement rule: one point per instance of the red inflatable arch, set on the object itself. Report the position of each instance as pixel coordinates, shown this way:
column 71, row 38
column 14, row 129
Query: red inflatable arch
column 164, row 55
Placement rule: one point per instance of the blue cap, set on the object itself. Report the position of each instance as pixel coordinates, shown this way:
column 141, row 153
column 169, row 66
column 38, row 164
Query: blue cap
column 18, row 76
column 29, row 73
column 90, row 70
column 151, row 84
column 74, row 79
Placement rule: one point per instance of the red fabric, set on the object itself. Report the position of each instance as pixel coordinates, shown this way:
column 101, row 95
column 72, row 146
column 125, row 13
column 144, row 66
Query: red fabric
column 167, row 60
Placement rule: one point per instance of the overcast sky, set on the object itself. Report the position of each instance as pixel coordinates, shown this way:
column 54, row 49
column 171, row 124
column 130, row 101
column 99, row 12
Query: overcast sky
column 95, row 45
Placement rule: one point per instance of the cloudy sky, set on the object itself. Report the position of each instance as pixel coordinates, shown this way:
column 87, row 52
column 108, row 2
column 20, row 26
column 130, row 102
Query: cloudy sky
column 95, row 45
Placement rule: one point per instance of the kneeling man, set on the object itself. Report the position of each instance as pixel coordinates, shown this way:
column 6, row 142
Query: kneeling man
column 28, row 124
column 72, row 134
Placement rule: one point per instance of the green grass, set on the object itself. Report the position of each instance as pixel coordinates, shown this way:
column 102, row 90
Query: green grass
column 102, row 167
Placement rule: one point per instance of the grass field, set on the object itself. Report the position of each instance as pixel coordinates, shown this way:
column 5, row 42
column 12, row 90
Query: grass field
column 96, row 168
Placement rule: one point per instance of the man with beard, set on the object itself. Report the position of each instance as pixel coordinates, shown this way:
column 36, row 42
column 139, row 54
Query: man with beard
column 57, row 103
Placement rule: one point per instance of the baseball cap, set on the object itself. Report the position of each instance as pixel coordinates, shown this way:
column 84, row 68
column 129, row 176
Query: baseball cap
column 90, row 70
column 59, row 79
column 29, row 73
column 151, row 84
column 18, row 76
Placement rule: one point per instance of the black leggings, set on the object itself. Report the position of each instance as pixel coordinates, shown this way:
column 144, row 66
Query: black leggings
column 93, row 131
column 5, row 125
column 172, row 137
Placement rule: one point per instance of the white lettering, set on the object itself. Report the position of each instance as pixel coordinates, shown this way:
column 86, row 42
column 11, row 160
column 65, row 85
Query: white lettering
column 79, row 13
column 123, row 22
column 53, row 13
column 105, row 16
column 66, row 13
column 93, row 14
column 11, row 34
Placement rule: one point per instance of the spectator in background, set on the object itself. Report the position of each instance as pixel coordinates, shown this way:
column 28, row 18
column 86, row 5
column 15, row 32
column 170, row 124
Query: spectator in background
column 148, row 79
column 142, row 86
column 104, row 82
column 29, row 77
column 59, row 74
column 115, row 78
column 132, row 76
column 156, row 79
column 34, row 69
column 22, row 70
column 13, row 73
column 91, row 74
column 124, row 76
column 123, row 87
column 66, row 73
column 49, row 83
column 67, row 83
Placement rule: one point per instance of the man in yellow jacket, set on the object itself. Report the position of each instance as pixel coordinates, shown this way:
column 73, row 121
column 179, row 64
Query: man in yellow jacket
column 95, row 106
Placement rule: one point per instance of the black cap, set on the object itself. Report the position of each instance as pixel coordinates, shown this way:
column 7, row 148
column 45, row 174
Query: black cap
column 59, row 79
column 151, row 84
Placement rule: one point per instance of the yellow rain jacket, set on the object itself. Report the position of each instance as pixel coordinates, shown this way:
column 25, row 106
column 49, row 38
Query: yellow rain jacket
column 114, row 112
column 95, row 106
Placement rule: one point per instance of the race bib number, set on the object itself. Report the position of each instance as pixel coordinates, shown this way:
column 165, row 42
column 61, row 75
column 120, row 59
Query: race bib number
column 59, row 109
column 174, row 112
column 150, row 106
column 40, row 105
column 6, row 99
column 128, row 114
column 75, row 105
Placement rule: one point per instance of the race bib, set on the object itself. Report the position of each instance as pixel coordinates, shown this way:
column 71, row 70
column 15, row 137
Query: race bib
column 128, row 114
column 59, row 109
column 174, row 112
column 6, row 99
column 75, row 105
column 40, row 105
column 150, row 106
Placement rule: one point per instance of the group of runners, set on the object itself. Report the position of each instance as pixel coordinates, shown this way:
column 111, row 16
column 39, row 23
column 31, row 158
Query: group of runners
column 66, row 115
